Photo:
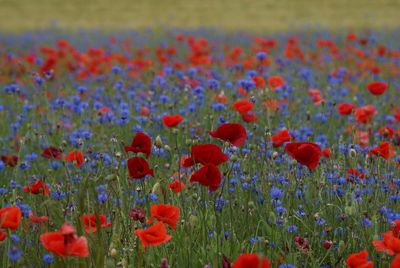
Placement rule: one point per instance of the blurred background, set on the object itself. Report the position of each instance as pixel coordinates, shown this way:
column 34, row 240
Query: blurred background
column 254, row 15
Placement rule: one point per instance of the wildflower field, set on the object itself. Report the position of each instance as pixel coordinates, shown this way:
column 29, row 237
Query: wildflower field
column 200, row 148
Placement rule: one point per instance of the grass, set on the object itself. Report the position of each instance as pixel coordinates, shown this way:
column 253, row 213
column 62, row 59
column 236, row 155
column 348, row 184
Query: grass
column 255, row 15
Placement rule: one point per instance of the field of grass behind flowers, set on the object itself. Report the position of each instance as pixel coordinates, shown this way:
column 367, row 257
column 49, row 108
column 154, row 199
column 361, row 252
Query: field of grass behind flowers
column 200, row 149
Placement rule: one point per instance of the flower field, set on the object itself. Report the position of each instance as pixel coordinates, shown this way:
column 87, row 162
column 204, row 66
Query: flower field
column 200, row 149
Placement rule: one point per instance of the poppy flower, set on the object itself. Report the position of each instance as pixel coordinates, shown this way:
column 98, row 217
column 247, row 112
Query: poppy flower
column 137, row 214
column 259, row 81
column 232, row 133
column 361, row 137
column 384, row 150
column 9, row 160
column 176, row 186
column 165, row 213
column 275, row 82
column 326, row 153
column 354, row 173
column 345, row 108
column 365, row 114
column 248, row 117
column 140, row 143
column 52, row 153
column 389, row 243
column 65, row 242
column 395, row 262
column 3, row 235
column 207, row 154
column 359, row 260
column 306, row 153
column 243, row 106
column 154, row 235
column 247, row 260
column 395, row 227
column 36, row 219
column 38, row 187
column 377, row 88
column 90, row 222
column 76, row 157
column 10, row 218
column 208, row 175
column 280, row 138
column 386, row 132
column 139, row 168
column 172, row 120
column 316, row 96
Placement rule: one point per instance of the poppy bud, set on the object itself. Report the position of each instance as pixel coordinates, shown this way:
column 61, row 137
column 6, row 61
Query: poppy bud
column 234, row 158
column 118, row 154
column 193, row 220
column 327, row 244
column 188, row 142
column 175, row 131
column 272, row 217
column 274, row 155
column 251, row 205
column 111, row 177
column 342, row 247
column 113, row 252
column 349, row 210
column 156, row 189
column 167, row 148
column 352, row 153
column 158, row 142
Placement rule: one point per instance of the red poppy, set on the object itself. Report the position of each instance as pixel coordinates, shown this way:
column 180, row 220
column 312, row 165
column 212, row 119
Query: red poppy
column 384, row 150
column 90, row 221
column 247, row 260
column 10, row 218
column 9, row 160
column 65, row 242
column 172, row 120
column 208, row 175
column 154, row 235
column 326, row 153
column 243, row 106
column 248, row 117
column 165, row 213
column 3, row 235
column 259, row 81
column 395, row 227
column 75, row 156
column 306, row 153
column 140, row 143
column 365, row 114
column 38, row 187
column 232, row 133
column 138, row 168
column 361, row 137
column 354, row 173
column 176, row 186
column 207, row 154
column 345, row 108
column 386, row 132
column 396, row 262
column 52, row 153
column 275, row 81
column 280, row 138
column 389, row 243
column 36, row 219
column 359, row 260
column 377, row 88
column 316, row 96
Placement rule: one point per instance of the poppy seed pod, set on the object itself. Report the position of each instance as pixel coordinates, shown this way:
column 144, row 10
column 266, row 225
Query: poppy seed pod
column 158, row 142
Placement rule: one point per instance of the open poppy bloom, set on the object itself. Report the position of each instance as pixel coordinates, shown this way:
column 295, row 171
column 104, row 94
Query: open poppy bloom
column 316, row 96
column 232, row 133
column 306, row 153
column 243, row 106
column 165, row 213
column 206, row 154
column 141, row 143
column 37, row 219
column 139, row 168
column 172, row 120
column 389, row 243
column 384, row 150
column 38, row 187
column 76, row 157
column 280, row 138
column 275, row 81
column 208, row 175
column 326, row 152
column 396, row 262
column 10, row 218
column 90, row 222
column 176, row 186
column 377, row 88
column 65, row 242
column 359, row 260
column 365, row 114
column 386, row 132
column 247, row 260
column 52, row 153
column 154, row 235
column 345, row 108
column 9, row 160
column 259, row 81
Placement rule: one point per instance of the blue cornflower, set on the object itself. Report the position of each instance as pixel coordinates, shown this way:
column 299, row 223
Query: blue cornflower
column 48, row 259
column 14, row 254
column 276, row 193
